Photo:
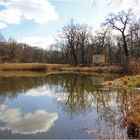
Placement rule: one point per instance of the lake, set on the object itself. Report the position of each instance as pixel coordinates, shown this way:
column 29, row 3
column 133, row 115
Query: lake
column 70, row 106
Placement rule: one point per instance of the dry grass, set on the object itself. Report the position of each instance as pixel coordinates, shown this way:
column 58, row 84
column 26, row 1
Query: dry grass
column 22, row 73
column 125, row 82
column 133, row 113
column 98, row 69
column 29, row 73
column 134, row 67
column 58, row 67
column 132, row 119
column 30, row 67
column 55, row 67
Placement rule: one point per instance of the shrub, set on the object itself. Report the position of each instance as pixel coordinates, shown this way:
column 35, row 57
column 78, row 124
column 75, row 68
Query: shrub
column 134, row 67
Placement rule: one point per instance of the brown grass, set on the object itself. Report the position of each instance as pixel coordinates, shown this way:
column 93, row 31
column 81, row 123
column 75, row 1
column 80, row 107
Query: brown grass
column 133, row 113
column 30, row 67
column 22, row 73
column 97, row 69
column 124, row 82
column 132, row 119
column 58, row 67
column 134, row 67
column 29, row 73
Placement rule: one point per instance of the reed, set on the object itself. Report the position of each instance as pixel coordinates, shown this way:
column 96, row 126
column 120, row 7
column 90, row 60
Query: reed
column 30, row 67
column 98, row 69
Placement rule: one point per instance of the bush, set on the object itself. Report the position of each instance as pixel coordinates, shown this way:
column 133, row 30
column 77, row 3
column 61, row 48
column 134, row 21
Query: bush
column 134, row 67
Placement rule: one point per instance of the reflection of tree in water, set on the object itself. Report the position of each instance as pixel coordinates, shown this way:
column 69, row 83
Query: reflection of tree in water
column 112, row 105
column 132, row 118
column 78, row 99
column 76, row 85
column 2, row 99
column 80, row 95
column 12, row 86
column 113, row 111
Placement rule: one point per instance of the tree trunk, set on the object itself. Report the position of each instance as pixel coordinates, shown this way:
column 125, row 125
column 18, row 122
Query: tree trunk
column 125, row 45
column 127, row 57
column 74, row 57
column 83, row 56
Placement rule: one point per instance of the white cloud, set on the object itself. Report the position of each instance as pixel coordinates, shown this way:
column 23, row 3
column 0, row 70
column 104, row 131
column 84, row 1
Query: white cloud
column 2, row 25
column 30, row 123
column 40, row 11
column 42, row 42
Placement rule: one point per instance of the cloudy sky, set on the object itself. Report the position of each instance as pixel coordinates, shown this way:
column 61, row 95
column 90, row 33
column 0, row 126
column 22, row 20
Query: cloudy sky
column 36, row 22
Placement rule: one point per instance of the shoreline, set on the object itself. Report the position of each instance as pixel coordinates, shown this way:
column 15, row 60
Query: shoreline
column 40, row 69
column 31, row 67
column 59, row 67
column 124, row 82
column 98, row 69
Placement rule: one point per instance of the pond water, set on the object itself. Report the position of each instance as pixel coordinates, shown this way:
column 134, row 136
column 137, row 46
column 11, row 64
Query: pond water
column 60, row 106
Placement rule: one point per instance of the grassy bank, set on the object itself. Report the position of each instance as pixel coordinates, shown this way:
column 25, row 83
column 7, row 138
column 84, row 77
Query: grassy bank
column 30, row 67
column 125, row 82
column 58, row 67
column 132, row 118
column 97, row 69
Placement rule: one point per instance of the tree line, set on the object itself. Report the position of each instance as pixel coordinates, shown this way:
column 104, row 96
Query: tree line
column 13, row 52
column 76, row 43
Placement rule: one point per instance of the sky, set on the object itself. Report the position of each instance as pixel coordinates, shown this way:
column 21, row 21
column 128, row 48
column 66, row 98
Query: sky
column 37, row 22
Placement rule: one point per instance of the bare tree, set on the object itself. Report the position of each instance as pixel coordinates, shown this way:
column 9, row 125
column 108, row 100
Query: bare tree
column 134, row 2
column 69, row 33
column 83, row 39
column 134, row 41
column 100, row 40
column 121, row 22
column 13, row 52
column 74, row 39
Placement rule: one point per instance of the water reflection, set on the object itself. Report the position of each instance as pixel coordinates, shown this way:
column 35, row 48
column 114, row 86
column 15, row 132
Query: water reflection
column 30, row 123
column 12, row 86
column 76, row 95
column 112, row 107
